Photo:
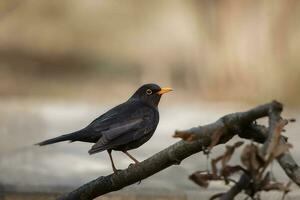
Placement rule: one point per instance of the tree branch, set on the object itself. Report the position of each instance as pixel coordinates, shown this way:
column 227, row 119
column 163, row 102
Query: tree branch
column 227, row 126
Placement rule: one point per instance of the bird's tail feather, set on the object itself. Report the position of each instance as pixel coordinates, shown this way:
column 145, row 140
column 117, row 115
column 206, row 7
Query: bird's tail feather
column 93, row 151
column 71, row 136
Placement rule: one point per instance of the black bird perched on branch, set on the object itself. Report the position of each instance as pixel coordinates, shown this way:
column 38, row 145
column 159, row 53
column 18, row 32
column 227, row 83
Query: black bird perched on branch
column 124, row 127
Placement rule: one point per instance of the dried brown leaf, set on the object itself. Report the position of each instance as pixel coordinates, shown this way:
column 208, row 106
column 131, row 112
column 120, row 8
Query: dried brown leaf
column 250, row 158
column 229, row 170
column 282, row 148
column 215, row 138
column 214, row 165
column 201, row 178
column 225, row 157
column 245, row 156
column 277, row 186
column 229, row 152
column 185, row 136
column 274, row 142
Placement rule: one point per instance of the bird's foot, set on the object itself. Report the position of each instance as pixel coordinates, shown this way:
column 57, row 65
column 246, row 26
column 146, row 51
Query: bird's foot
column 116, row 171
column 132, row 164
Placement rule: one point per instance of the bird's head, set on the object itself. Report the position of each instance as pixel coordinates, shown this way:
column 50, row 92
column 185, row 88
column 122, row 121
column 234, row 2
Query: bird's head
column 150, row 93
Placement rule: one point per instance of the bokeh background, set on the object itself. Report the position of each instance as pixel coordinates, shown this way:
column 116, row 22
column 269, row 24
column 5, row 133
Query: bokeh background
column 64, row 62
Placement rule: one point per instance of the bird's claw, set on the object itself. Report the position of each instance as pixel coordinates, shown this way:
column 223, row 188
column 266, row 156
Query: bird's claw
column 116, row 171
column 131, row 165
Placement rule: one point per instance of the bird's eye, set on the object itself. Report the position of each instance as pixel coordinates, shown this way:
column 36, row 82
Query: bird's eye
column 148, row 91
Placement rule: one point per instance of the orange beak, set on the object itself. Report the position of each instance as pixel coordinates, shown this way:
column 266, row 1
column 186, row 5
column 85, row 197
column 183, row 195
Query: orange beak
column 164, row 90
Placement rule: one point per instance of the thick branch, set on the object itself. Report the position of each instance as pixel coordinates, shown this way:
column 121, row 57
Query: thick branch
column 228, row 125
column 289, row 165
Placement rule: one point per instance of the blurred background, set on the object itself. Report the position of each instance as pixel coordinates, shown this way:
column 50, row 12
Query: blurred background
column 64, row 62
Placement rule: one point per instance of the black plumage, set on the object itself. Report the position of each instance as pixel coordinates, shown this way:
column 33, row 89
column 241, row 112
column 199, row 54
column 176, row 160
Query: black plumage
column 124, row 127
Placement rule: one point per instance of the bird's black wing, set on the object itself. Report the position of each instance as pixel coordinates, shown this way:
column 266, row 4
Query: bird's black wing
column 123, row 124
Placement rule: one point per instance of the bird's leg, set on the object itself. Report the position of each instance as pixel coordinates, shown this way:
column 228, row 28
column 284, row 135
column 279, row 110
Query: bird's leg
column 135, row 160
column 112, row 162
column 132, row 158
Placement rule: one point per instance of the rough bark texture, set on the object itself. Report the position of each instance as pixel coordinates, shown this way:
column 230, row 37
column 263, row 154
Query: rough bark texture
column 240, row 123
column 290, row 166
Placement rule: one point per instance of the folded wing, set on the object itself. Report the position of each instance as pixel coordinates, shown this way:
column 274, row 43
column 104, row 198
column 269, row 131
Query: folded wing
column 133, row 125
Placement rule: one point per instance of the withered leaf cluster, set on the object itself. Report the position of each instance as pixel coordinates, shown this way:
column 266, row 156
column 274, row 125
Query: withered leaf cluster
column 255, row 162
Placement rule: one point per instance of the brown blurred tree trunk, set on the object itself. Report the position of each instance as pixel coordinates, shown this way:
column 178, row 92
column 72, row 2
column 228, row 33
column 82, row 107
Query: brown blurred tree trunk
column 1, row 192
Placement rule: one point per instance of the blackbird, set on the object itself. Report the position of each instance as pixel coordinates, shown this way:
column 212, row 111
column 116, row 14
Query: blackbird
column 124, row 127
